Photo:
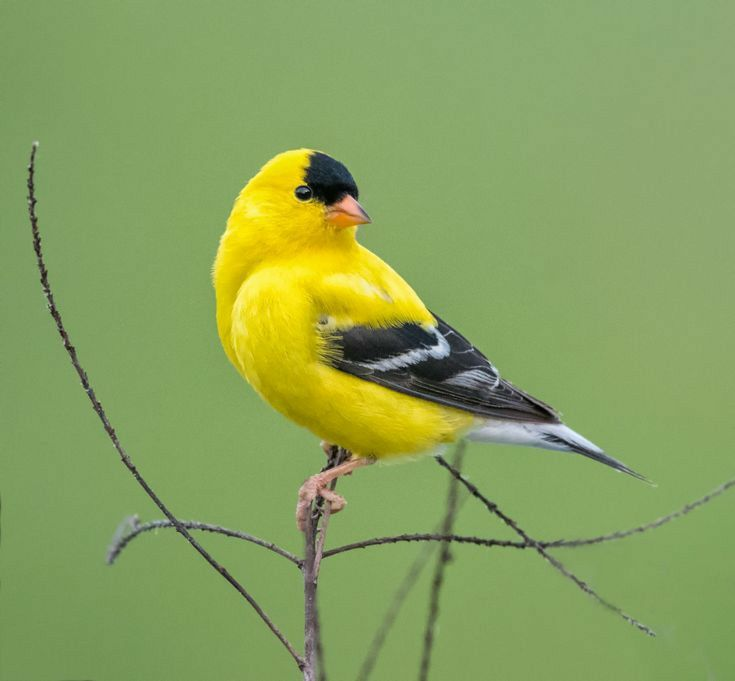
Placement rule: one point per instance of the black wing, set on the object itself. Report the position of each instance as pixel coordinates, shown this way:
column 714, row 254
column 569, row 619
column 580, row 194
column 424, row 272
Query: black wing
column 434, row 363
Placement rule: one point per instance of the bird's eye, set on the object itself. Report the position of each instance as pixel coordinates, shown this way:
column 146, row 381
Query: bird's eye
column 303, row 193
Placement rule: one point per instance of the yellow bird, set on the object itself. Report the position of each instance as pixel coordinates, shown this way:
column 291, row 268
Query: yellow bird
column 329, row 335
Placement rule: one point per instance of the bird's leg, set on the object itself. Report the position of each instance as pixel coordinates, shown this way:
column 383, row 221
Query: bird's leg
column 317, row 485
column 327, row 448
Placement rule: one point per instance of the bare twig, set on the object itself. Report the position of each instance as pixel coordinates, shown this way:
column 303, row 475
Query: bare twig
column 310, row 606
column 325, row 510
column 132, row 528
column 432, row 537
column 121, row 540
column 314, row 539
column 131, row 533
column 442, row 561
column 558, row 565
column 552, row 544
column 640, row 529
column 112, row 435
column 336, row 457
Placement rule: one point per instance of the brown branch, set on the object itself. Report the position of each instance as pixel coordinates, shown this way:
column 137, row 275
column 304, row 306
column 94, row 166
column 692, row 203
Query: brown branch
column 310, row 606
column 112, row 435
column 552, row 544
column 326, row 512
column 558, row 565
column 314, row 539
column 124, row 538
column 640, row 529
column 121, row 540
column 442, row 561
column 423, row 537
column 132, row 528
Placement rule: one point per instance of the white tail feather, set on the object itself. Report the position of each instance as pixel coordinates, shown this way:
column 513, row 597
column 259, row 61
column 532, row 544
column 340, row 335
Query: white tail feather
column 556, row 436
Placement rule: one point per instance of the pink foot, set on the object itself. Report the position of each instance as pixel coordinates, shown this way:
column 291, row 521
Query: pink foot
column 316, row 486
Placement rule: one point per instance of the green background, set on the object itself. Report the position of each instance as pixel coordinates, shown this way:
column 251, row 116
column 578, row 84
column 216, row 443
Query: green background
column 555, row 179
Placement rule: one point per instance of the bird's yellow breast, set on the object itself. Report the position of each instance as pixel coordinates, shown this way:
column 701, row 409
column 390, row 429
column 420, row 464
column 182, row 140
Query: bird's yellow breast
column 270, row 331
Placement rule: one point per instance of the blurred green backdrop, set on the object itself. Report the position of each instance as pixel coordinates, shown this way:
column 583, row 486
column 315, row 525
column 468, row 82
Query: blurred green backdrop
column 554, row 179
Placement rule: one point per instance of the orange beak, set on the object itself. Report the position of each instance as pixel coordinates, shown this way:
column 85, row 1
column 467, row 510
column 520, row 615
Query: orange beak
column 347, row 212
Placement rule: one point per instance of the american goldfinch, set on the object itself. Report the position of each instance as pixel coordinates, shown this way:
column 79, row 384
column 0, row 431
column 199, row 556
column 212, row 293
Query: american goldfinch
column 329, row 335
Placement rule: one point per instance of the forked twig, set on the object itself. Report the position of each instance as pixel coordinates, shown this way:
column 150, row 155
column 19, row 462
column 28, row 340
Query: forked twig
column 558, row 565
column 112, row 435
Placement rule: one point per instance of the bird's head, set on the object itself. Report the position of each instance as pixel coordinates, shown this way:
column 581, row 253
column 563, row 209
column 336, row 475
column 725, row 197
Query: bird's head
column 301, row 196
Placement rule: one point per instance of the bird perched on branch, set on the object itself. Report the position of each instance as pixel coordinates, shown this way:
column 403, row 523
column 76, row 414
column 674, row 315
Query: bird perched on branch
column 329, row 335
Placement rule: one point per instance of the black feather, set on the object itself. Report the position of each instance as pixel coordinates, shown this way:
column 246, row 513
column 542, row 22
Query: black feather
column 595, row 455
column 329, row 179
column 437, row 364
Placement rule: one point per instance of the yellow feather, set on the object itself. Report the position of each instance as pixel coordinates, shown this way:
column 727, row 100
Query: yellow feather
column 280, row 269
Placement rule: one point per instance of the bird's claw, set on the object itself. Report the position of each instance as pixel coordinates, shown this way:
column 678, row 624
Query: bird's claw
column 315, row 486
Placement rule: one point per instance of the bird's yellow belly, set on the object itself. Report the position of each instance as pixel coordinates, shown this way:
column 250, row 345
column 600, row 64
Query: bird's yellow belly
column 270, row 346
column 369, row 419
column 365, row 418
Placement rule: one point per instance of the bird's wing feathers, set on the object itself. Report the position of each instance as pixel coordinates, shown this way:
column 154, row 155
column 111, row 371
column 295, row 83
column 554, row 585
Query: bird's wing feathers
column 435, row 363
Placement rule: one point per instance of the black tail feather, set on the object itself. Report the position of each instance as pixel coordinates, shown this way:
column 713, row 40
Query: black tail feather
column 608, row 460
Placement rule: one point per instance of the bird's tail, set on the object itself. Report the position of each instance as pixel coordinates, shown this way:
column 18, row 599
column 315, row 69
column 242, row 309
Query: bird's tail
column 556, row 436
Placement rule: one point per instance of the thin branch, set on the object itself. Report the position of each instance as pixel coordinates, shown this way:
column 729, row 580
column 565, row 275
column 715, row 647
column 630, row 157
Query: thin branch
column 318, row 644
column 325, row 511
column 442, row 561
column 553, row 544
column 314, row 538
column 338, row 456
column 124, row 538
column 132, row 529
column 493, row 508
column 310, row 613
column 621, row 534
column 99, row 410
column 121, row 540
column 423, row 537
